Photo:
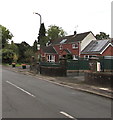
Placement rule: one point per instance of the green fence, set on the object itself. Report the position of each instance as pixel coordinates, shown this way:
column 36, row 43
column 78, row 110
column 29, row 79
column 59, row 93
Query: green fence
column 82, row 64
column 106, row 64
column 50, row 64
column 78, row 65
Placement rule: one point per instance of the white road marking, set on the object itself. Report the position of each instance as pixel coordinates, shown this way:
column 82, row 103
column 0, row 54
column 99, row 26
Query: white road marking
column 67, row 115
column 21, row 89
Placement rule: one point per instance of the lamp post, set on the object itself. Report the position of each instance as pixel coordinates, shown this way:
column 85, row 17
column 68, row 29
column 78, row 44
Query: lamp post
column 39, row 16
column 38, row 45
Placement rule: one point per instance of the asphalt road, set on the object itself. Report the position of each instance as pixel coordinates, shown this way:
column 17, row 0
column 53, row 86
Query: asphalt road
column 25, row 96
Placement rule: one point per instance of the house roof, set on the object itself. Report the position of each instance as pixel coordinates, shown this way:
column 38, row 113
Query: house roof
column 49, row 50
column 96, row 46
column 70, row 39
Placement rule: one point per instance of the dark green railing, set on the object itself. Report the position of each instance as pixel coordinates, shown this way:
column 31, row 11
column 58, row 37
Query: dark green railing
column 82, row 64
column 78, row 65
column 50, row 64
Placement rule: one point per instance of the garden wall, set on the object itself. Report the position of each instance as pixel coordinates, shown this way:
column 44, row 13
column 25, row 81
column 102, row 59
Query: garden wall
column 53, row 71
column 99, row 78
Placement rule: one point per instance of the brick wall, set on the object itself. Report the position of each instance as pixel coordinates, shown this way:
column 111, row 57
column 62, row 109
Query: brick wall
column 67, row 46
column 100, row 79
column 108, row 51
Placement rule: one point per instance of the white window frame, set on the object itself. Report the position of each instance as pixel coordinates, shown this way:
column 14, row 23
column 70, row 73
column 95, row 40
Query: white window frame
column 51, row 58
column 74, row 46
column 89, row 56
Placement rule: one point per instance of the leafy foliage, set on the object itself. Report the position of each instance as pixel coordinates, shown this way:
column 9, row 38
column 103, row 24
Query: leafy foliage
column 5, row 35
column 28, row 54
column 22, row 49
column 13, row 47
column 102, row 36
column 54, row 32
column 7, row 56
column 42, row 36
column 35, row 46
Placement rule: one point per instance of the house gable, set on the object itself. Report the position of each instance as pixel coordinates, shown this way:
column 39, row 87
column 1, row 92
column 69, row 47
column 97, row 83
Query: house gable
column 87, row 40
column 108, row 51
column 98, row 47
column 80, row 40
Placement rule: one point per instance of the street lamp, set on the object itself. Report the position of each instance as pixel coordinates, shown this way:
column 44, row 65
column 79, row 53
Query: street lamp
column 38, row 45
column 40, row 17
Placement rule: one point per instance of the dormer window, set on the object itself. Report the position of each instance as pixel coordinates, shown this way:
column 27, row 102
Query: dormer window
column 74, row 46
column 63, row 41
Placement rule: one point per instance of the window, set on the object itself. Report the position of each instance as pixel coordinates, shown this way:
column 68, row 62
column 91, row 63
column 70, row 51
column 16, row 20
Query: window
column 61, row 47
column 89, row 56
column 74, row 46
column 63, row 41
column 51, row 58
column 86, row 56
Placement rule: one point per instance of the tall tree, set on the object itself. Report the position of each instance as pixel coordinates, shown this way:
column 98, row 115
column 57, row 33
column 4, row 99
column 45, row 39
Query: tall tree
column 42, row 34
column 5, row 35
column 54, row 32
column 22, row 49
column 35, row 46
column 101, row 36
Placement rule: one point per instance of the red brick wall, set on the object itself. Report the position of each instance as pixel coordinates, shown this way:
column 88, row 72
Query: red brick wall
column 67, row 46
column 46, row 56
column 108, row 51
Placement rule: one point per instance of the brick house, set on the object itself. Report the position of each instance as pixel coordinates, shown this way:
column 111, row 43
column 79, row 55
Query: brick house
column 68, row 45
column 98, row 48
column 49, row 54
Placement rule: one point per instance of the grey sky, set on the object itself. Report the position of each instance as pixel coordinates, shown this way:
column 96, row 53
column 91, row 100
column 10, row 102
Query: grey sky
column 79, row 15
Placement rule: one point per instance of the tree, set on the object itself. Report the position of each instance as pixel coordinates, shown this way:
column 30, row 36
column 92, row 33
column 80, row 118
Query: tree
column 15, row 49
column 42, row 34
column 6, row 35
column 22, row 49
column 7, row 56
column 54, row 32
column 35, row 46
column 10, row 53
column 101, row 36
column 28, row 54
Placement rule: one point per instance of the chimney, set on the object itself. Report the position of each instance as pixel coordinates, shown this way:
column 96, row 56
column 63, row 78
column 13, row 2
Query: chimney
column 75, row 32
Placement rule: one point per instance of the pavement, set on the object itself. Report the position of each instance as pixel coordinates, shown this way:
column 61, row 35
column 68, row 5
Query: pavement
column 72, row 81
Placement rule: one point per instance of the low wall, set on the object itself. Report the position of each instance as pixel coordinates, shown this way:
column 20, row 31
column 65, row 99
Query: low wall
column 53, row 71
column 99, row 78
column 35, row 68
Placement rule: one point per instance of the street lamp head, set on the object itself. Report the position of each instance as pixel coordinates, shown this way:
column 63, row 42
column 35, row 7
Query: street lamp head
column 36, row 13
column 40, row 17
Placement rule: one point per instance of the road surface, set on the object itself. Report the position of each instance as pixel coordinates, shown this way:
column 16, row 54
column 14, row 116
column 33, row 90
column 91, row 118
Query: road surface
column 25, row 96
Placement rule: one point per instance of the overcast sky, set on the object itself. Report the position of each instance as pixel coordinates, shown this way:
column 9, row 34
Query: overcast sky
column 71, row 15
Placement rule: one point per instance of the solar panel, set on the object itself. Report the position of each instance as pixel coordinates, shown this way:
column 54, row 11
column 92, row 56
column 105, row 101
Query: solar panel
column 99, row 45
column 96, row 46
